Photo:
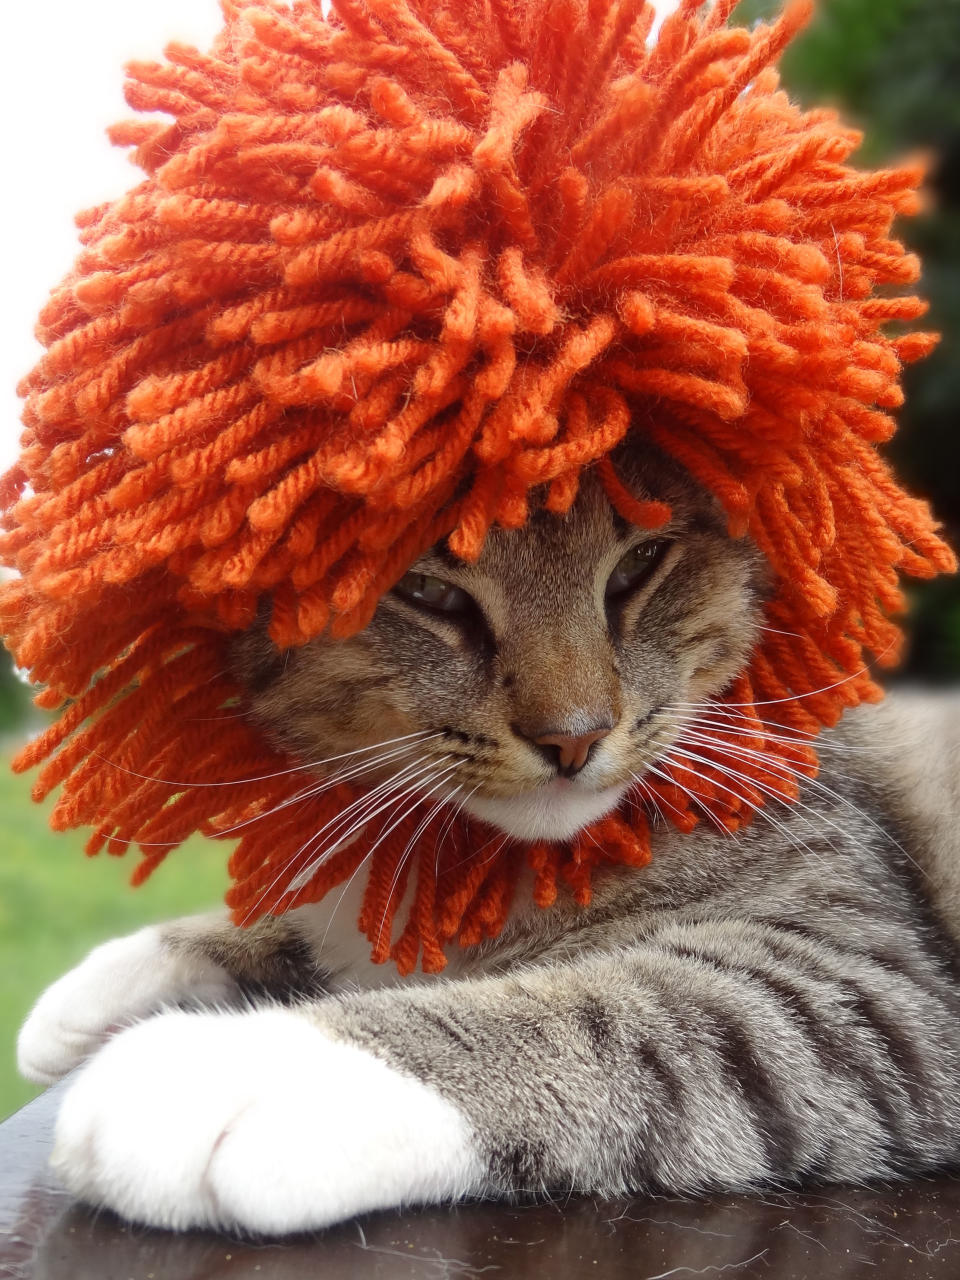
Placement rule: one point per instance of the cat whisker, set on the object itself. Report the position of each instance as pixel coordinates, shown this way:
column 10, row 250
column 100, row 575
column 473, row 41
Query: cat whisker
column 350, row 879
column 767, row 729
column 455, row 811
column 761, row 810
column 407, row 852
column 343, row 774
column 504, row 840
column 410, row 774
column 774, row 764
column 810, row 693
column 723, row 766
column 705, row 723
column 506, row 837
column 771, row 792
column 315, row 788
column 418, row 798
column 816, row 784
column 449, row 821
column 340, row 897
column 776, row 631
column 730, row 709
column 304, row 876
column 585, row 831
column 422, row 735
column 346, row 815
column 712, row 817
column 778, row 764
column 768, row 760
column 304, row 794
column 772, row 728
column 648, row 796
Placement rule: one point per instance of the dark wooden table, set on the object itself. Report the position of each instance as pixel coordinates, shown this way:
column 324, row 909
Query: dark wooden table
column 907, row 1231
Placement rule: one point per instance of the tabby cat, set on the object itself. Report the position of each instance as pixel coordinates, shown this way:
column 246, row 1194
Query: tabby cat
column 771, row 1007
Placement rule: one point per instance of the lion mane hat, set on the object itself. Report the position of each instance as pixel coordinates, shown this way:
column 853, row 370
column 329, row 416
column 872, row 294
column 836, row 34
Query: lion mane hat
column 394, row 275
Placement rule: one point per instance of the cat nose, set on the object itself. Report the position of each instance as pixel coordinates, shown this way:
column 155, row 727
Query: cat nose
column 570, row 751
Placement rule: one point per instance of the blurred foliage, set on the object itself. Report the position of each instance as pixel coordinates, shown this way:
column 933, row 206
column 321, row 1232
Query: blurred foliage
column 16, row 707
column 55, row 904
column 893, row 68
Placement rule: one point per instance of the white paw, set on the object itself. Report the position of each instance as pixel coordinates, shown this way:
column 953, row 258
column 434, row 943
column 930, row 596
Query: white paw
column 117, row 983
column 257, row 1120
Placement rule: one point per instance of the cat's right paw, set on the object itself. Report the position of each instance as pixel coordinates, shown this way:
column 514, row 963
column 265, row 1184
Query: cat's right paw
column 118, row 982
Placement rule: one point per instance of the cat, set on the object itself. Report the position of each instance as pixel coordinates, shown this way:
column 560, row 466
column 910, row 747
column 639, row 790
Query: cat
column 773, row 1007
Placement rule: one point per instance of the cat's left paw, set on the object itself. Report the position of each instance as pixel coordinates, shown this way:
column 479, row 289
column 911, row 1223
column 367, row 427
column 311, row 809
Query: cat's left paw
column 255, row 1120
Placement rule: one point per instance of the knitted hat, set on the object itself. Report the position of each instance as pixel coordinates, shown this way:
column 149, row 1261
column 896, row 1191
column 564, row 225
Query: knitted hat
column 401, row 274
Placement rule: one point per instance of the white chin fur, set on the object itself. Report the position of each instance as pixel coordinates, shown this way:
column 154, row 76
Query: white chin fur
column 554, row 812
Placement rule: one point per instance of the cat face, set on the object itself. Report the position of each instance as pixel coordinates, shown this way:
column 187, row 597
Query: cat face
column 535, row 686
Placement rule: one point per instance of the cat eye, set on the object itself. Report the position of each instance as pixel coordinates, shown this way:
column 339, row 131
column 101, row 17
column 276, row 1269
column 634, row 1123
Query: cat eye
column 433, row 593
column 636, row 566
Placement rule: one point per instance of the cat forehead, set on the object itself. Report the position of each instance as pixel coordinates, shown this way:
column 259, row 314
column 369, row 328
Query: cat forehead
column 552, row 554
column 575, row 543
column 581, row 534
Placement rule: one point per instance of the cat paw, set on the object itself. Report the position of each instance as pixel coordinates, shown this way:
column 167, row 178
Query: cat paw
column 117, row 982
column 258, row 1121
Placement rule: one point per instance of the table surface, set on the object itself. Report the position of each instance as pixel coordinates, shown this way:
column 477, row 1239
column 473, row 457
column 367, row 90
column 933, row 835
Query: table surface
column 905, row 1231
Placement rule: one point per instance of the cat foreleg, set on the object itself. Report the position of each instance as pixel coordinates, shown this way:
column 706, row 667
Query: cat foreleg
column 725, row 1054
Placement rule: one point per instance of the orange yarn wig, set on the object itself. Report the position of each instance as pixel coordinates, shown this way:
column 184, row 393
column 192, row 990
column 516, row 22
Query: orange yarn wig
column 393, row 276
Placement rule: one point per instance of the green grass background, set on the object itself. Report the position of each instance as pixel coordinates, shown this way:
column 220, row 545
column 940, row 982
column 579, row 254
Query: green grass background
column 55, row 904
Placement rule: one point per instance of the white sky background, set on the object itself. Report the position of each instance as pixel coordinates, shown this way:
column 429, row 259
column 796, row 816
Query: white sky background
column 60, row 89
